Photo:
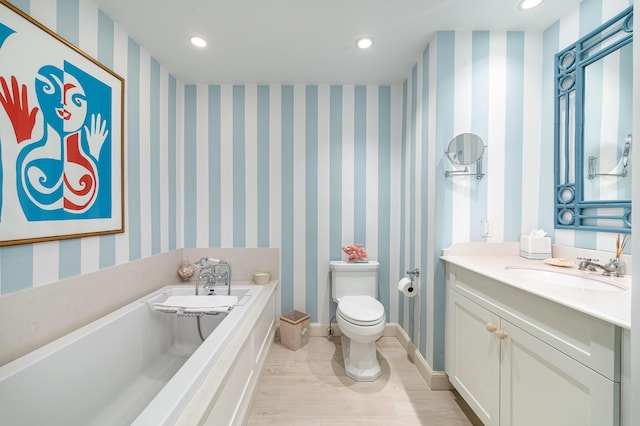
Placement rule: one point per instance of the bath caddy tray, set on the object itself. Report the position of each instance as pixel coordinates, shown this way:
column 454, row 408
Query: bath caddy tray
column 195, row 306
column 183, row 314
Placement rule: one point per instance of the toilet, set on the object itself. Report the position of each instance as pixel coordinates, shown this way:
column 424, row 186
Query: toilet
column 360, row 316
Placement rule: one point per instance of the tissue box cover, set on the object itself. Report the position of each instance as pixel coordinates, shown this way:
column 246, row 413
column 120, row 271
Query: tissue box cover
column 535, row 248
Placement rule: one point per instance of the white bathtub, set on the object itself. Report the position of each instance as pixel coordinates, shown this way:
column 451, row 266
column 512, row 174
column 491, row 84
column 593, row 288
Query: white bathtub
column 139, row 366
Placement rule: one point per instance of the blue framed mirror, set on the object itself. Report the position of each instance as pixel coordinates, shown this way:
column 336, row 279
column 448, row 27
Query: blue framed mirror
column 593, row 124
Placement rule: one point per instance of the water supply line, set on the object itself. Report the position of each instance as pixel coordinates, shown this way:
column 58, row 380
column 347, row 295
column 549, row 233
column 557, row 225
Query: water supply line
column 207, row 269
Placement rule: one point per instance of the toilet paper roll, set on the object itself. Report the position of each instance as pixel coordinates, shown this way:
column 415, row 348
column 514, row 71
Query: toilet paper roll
column 404, row 285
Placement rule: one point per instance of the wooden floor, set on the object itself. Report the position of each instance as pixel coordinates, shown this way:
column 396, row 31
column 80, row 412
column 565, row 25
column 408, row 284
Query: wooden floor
column 309, row 387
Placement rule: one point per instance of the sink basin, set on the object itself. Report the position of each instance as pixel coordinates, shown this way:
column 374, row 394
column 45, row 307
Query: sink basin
column 568, row 278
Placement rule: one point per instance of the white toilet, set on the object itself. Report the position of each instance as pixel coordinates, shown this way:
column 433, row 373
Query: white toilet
column 360, row 316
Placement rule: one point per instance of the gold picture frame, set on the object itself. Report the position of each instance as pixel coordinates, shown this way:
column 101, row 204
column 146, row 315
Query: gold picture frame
column 61, row 137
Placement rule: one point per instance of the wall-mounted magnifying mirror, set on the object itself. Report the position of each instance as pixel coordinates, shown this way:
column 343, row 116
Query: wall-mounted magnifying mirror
column 465, row 150
column 594, row 120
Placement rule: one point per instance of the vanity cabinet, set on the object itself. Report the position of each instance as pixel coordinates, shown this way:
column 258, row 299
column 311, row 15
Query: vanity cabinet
column 518, row 359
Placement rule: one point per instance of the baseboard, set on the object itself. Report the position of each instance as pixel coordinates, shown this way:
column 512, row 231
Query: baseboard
column 436, row 380
column 321, row 330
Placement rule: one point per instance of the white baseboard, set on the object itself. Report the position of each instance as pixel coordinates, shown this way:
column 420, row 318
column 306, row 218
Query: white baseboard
column 436, row 380
column 321, row 330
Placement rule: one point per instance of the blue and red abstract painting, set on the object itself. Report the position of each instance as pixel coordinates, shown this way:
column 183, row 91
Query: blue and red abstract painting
column 58, row 155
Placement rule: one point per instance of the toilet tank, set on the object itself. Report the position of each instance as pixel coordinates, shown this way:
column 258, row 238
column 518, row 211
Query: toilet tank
column 354, row 279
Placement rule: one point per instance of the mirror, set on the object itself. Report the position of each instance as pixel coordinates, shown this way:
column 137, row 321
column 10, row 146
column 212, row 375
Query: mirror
column 608, row 104
column 464, row 150
column 593, row 124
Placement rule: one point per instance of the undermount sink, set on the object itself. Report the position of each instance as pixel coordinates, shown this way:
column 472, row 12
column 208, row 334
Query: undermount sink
column 568, row 278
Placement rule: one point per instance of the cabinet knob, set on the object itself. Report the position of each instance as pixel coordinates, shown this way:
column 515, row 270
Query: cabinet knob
column 501, row 334
column 491, row 327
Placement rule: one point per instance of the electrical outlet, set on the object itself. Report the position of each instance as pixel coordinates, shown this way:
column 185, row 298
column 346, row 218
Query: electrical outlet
column 485, row 229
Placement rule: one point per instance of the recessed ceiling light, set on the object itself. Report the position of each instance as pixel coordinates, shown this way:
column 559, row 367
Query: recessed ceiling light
column 364, row 42
column 528, row 4
column 198, row 41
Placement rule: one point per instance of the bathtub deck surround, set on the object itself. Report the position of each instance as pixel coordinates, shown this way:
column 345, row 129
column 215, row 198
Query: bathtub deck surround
column 245, row 261
column 140, row 366
column 227, row 369
column 32, row 318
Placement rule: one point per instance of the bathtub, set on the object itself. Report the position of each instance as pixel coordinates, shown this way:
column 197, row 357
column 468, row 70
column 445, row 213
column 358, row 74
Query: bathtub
column 143, row 367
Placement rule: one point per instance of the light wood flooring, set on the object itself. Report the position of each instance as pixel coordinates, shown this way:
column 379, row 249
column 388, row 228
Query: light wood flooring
column 309, row 387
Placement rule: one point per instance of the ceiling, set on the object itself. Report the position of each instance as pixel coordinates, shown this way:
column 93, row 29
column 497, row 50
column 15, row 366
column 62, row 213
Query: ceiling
column 308, row 41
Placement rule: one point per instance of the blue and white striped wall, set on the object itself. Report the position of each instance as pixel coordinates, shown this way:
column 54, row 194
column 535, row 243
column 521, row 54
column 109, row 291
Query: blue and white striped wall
column 491, row 84
column 481, row 82
column 151, row 127
column 305, row 168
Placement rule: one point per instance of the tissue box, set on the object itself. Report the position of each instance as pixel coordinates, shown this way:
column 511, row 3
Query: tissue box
column 535, row 248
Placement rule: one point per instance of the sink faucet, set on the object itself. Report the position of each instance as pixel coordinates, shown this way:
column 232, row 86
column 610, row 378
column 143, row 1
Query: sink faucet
column 207, row 270
column 611, row 269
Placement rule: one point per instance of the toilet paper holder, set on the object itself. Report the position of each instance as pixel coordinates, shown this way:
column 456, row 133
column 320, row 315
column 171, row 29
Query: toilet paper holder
column 413, row 275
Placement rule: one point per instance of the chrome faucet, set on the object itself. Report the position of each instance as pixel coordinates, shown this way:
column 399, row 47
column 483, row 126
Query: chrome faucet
column 207, row 270
column 226, row 275
column 611, row 269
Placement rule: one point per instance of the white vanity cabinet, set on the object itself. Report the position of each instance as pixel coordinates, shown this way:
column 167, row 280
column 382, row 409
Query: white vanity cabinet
column 518, row 359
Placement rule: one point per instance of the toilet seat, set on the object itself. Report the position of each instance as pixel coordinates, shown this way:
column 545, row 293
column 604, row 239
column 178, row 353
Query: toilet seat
column 361, row 310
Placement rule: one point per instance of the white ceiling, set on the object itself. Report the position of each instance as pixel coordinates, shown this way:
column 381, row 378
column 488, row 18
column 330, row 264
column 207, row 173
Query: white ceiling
column 308, row 41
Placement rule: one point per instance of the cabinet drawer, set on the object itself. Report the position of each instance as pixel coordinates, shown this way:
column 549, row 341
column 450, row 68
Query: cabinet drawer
column 593, row 342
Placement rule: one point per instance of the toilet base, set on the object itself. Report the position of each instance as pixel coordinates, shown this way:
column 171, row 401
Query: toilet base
column 360, row 360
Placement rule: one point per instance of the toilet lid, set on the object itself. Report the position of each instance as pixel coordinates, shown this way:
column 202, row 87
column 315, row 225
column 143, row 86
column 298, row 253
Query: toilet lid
column 362, row 310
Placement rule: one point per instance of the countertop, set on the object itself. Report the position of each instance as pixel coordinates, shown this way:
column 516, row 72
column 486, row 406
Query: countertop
column 611, row 305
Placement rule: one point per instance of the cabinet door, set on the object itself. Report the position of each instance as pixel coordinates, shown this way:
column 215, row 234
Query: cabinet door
column 474, row 357
column 542, row 386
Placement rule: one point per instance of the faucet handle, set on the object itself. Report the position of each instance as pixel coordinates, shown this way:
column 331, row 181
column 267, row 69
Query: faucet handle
column 619, row 266
column 588, row 259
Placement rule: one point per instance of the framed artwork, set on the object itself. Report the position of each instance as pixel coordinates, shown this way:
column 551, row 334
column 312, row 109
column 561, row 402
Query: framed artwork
column 61, row 137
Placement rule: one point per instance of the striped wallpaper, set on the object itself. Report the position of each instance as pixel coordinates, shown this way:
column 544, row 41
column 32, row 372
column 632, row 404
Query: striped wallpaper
column 468, row 82
column 305, row 168
column 310, row 168
column 491, row 84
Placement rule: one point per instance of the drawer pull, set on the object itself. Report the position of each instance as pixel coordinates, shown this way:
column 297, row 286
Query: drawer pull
column 491, row 327
column 501, row 334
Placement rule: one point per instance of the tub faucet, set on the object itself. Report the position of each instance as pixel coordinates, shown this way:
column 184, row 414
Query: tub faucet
column 611, row 269
column 226, row 275
column 207, row 270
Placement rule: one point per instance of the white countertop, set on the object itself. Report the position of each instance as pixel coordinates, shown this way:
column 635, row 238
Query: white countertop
column 492, row 260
